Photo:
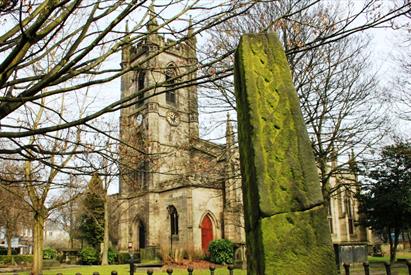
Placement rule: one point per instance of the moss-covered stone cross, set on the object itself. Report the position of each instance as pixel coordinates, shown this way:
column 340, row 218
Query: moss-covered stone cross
column 286, row 224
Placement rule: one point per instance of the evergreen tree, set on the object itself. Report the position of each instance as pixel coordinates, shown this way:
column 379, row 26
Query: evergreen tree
column 92, row 219
column 387, row 194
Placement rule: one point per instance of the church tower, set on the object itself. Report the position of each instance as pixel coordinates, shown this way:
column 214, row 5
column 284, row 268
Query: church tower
column 172, row 184
column 156, row 128
column 163, row 115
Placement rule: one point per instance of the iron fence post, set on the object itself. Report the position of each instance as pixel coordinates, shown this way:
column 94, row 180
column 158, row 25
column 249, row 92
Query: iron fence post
column 131, row 264
column 230, row 268
column 212, row 268
column 366, row 268
column 346, row 268
column 387, row 268
column 190, row 270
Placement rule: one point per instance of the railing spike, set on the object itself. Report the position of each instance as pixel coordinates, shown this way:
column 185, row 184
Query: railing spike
column 366, row 266
column 190, row 270
column 346, row 268
column 409, row 266
column 387, row 268
column 212, row 268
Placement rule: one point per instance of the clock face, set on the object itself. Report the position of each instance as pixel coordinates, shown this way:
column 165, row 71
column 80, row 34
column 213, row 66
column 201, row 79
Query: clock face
column 173, row 118
column 139, row 119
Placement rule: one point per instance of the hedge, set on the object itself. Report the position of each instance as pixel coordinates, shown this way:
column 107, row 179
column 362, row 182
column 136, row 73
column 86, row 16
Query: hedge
column 18, row 259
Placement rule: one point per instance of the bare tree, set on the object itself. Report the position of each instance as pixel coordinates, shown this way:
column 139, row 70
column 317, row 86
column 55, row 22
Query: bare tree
column 338, row 93
column 43, row 173
column 67, row 215
column 83, row 52
column 14, row 215
column 61, row 50
column 402, row 82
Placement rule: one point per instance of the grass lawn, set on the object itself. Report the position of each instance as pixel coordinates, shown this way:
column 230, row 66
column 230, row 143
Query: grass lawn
column 378, row 268
column 377, row 265
column 124, row 270
column 386, row 258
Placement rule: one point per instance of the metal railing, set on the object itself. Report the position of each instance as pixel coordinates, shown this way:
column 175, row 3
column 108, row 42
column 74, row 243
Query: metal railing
column 366, row 267
column 169, row 271
column 230, row 270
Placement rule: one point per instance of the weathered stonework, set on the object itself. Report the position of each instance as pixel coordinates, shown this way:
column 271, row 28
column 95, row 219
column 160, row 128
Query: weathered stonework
column 286, row 227
column 164, row 162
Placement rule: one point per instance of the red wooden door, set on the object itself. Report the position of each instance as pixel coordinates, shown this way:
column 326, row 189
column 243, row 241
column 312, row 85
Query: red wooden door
column 206, row 232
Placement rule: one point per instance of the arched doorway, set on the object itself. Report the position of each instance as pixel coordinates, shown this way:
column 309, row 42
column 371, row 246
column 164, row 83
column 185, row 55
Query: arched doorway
column 141, row 235
column 206, row 232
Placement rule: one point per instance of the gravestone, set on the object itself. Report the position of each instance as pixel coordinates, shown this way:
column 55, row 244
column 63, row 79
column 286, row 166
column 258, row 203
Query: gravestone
column 286, row 224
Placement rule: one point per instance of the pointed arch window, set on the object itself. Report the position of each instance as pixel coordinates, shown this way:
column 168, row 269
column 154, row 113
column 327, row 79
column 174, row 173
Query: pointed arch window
column 143, row 175
column 349, row 211
column 141, row 235
column 170, row 83
column 330, row 216
column 141, row 84
column 172, row 211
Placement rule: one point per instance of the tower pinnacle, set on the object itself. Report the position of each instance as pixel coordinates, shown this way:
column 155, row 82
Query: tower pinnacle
column 229, row 135
column 152, row 24
column 191, row 39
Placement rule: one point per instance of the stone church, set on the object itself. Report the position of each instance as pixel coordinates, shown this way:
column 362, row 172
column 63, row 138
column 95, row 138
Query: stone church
column 178, row 192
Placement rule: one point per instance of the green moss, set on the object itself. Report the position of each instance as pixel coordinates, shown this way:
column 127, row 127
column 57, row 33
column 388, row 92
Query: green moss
column 285, row 169
column 297, row 243
column 277, row 164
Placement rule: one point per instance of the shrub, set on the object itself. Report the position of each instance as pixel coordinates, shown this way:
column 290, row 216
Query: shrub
column 23, row 259
column 221, row 251
column 18, row 259
column 123, row 258
column 89, row 255
column 49, row 253
column 112, row 256
column 4, row 259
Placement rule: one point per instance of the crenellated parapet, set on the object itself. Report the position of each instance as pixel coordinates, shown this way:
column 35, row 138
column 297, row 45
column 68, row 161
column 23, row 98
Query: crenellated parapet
column 160, row 44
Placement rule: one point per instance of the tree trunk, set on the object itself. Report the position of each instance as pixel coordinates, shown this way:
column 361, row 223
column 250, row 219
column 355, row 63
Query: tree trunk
column 71, row 242
column 104, row 256
column 393, row 245
column 71, row 225
column 38, row 234
column 9, row 237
